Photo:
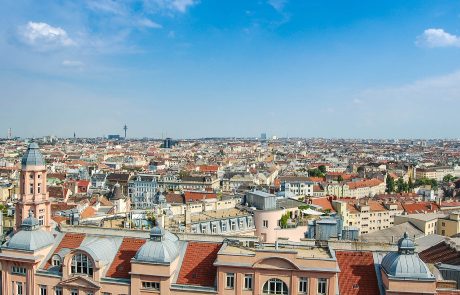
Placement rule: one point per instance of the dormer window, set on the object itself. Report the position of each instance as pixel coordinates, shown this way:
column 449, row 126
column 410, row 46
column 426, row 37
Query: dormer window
column 56, row 261
column 81, row 264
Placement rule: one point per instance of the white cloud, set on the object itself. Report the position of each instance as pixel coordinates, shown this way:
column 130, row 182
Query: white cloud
column 171, row 5
column 72, row 63
column 437, row 38
column 147, row 23
column 44, row 36
column 108, row 6
column 277, row 4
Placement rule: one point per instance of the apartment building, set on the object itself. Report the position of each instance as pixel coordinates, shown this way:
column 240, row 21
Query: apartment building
column 142, row 189
column 368, row 215
column 299, row 186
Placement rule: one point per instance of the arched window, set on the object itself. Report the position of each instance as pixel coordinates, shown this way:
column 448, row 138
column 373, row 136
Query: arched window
column 81, row 264
column 275, row 286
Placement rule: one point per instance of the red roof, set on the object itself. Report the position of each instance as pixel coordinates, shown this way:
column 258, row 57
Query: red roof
column 198, row 196
column 323, row 202
column 357, row 273
column 121, row 265
column 421, row 207
column 70, row 241
column 198, row 264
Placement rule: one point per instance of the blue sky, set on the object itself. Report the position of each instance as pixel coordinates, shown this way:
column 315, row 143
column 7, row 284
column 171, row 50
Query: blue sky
column 195, row 68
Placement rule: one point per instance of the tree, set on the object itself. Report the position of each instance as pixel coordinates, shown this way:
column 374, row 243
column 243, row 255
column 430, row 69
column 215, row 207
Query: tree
column 410, row 184
column 390, row 184
column 401, row 186
column 284, row 219
column 340, row 178
column 322, row 168
column 448, row 178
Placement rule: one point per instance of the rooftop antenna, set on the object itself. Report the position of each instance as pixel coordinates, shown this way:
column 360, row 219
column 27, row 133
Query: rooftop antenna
column 125, row 128
column 10, row 135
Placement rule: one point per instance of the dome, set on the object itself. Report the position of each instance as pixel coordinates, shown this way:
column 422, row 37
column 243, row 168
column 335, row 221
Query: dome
column 161, row 248
column 33, row 156
column 30, row 237
column 405, row 263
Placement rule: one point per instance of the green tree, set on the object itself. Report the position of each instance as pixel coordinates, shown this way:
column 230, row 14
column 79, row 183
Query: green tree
column 284, row 220
column 390, row 184
column 340, row 178
column 322, row 168
column 448, row 178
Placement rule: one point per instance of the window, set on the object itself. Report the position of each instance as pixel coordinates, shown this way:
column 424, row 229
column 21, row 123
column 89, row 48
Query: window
column 18, row 270
column 18, row 288
column 58, row 291
column 74, row 292
column 43, row 290
column 41, row 220
column 81, row 264
column 151, row 285
column 265, row 223
column 275, row 286
column 303, row 285
column 224, row 227
column 38, row 188
column 230, row 281
column 241, row 223
column 232, row 225
column 31, row 176
column 106, row 293
column 214, row 228
column 56, row 261
column 31, row 188
column 322, row 286
column 248, row 282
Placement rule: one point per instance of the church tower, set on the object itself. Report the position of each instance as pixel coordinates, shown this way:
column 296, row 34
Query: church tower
column 33, row 193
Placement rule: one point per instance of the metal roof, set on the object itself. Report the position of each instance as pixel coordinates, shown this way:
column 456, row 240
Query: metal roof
column 32, row 156
column 161, row 248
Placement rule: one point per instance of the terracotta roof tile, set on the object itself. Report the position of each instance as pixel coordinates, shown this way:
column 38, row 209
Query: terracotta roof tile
column 198, row 264
column 121, row 265
column 357, row 273
column 70, row 241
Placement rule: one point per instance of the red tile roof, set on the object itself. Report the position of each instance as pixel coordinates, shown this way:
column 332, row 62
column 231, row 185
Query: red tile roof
column 121, row 265
column 357, row 273
column 441, row 252
column 70, row 241
column 421, row 207
column 323, row 202
column 198, row 196
column 197, row 265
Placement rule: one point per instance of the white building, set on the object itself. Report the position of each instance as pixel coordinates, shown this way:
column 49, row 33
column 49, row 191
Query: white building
column 142, row 189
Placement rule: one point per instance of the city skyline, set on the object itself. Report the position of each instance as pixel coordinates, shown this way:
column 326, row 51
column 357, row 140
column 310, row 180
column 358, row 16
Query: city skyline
column 194, row 69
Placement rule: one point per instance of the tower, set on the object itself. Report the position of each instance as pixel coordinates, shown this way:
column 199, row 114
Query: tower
column 125, row 128
column 10, row 134
column 33, row 193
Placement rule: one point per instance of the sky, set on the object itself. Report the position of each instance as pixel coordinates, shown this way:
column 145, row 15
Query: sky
column 205, row 68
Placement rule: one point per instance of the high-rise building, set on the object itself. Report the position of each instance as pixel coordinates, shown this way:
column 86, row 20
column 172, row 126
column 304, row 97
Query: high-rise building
column 33, row 197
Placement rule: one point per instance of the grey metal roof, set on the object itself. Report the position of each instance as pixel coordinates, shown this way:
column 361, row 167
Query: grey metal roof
column 406, row 264
column 161, row 248
column 30, row 240
column 33, row 157
column 101, row 249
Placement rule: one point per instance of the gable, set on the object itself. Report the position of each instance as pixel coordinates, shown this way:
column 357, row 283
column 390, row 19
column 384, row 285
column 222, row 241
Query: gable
column 80, row 282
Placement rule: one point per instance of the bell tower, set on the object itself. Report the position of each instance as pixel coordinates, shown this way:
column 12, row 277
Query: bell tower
column 33, row 195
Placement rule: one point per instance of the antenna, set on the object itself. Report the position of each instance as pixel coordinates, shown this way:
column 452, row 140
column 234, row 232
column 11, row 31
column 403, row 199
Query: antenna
column 125, row 128
column 10, row 135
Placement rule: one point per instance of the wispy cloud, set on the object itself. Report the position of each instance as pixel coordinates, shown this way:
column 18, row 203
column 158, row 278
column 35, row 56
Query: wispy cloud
column 107, row 6
column 72, row 63
column 147, row 23
column 170, row 5
column 277, row 4
column 43, row 36
column 437, row 38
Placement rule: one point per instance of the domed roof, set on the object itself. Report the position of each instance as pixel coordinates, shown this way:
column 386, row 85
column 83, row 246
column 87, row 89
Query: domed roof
column 30, row 237
column 33, row 156
column 405, row 263
column 161, row 248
